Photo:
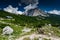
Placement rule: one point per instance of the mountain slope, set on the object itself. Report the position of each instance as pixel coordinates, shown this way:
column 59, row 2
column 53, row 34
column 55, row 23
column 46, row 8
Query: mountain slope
column 20, row 19
column 32, row 20
column 19, row 22
column 54, row 19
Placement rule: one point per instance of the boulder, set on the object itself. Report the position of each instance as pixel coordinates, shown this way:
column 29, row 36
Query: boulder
column 7, row 30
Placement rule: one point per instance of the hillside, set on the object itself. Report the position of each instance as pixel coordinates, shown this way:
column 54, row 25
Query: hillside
column 19, row 22
column 23, row 20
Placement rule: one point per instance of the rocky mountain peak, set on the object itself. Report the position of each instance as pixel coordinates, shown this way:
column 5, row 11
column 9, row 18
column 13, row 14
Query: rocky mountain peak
column 35, row 12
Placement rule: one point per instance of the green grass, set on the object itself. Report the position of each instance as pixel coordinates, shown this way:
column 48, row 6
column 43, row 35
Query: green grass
column 17, row 30
column 46, row 39
column 29, row 38
column 16, row 33
column 26, row 38
column 22, row 21
column 55, row 31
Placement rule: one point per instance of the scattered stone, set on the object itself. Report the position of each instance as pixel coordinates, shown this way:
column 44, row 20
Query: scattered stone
column 26, row 30
column 40, row 38
column 49, row 25
column 9, row 17
column 52, row 31
column 32, row 37
column 16, row 25
column 49, row 34
column 40, row 31
column 1, row 19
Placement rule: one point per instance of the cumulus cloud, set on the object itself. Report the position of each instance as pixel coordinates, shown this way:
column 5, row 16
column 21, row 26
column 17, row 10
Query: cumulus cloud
column 54, row 12
column 32, row 5
column 12, row 10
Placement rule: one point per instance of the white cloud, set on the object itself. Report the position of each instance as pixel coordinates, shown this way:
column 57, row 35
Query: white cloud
column 30, row 6
column 54, row 12
column 12, row 10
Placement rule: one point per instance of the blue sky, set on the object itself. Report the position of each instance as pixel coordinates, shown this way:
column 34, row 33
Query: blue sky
column 49, row 4
column 43, row 4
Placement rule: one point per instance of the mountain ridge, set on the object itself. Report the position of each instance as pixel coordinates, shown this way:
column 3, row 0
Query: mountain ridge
column 35, row 12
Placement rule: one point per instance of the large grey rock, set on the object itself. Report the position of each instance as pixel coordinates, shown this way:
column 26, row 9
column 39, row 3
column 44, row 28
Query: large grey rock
column 36, row 12
column 7, row 30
